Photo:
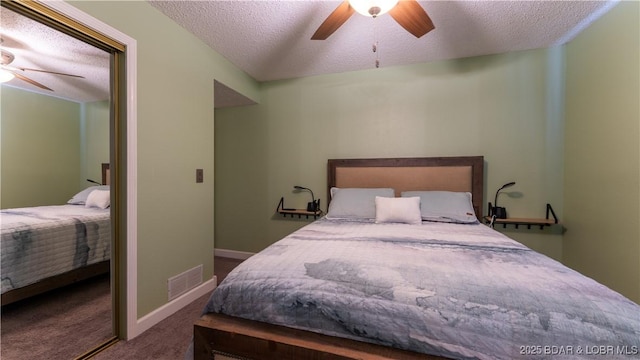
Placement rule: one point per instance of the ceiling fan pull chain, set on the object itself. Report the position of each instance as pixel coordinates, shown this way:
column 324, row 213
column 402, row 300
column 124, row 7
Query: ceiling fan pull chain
column 375, row 42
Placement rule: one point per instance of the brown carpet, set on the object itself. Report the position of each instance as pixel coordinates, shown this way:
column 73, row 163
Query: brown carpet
column 48, row 326
column 169, row 339
column 46, row 330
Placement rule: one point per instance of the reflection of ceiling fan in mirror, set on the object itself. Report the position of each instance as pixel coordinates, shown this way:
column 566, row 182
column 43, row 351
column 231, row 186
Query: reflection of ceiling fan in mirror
column 408, row 13
column 7, row 72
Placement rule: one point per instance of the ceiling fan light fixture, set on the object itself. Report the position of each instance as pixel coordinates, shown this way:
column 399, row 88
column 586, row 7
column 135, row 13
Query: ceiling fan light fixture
column 6, row 75
column 372, row 8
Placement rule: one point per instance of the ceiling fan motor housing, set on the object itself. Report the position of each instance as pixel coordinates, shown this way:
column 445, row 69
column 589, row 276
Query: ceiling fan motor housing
column 372, row 8
column 408, row 13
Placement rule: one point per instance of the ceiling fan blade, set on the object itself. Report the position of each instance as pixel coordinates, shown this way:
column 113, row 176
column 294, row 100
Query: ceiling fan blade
column 49, row 72
column 338, row 17
column 30, row 81
column 411, row 16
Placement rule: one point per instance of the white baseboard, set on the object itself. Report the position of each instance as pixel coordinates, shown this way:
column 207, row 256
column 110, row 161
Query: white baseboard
column 233, row 254
column 146, row 322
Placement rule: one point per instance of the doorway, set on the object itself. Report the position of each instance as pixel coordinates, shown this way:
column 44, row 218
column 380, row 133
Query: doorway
column 116, row 122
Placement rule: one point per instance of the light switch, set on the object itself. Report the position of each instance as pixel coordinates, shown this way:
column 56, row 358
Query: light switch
column 199, row 175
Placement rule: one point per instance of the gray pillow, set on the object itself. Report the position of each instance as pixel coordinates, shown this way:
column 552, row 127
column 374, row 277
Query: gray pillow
column 81, row 197
column 355, row 203
column 445, row 206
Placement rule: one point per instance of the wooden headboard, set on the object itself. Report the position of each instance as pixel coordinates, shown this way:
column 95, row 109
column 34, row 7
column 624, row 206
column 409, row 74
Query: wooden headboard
column 106, row 174
column 464, row 173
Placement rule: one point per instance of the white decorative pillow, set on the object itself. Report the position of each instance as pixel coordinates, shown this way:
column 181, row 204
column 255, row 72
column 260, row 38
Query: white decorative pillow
column 355, row 203
column 81, row 197
column 99, row 199
column 398, row 210
column 445, row 206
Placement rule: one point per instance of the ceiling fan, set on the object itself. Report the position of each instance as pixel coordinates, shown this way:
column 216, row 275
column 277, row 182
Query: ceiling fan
column 8, row 72
column 408, row 13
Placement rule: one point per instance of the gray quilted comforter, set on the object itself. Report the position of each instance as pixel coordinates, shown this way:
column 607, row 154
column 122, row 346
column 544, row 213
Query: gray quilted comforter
column 44, row 241
column 460, row 291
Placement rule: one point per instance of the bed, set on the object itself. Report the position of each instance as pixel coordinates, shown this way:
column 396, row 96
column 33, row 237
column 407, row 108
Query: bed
column 47, row 247
column 363, row 283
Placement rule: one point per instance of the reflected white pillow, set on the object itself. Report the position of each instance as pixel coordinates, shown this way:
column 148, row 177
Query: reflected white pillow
column 99, row 199
column 398, row 210
column 81, row 197
column 355, row 203
column 445, row 206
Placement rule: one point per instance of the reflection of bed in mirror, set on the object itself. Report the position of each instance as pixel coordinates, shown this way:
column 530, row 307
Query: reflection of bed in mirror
column 386, row 276
column 47, row 247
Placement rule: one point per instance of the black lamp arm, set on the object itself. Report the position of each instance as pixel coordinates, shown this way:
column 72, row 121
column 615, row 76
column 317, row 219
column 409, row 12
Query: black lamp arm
column 495, row 202
column 313, row 206
column 93, row 181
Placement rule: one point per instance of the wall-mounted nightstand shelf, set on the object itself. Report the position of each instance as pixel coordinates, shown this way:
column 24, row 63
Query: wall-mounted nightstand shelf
column 492, row 221
column 293, row 212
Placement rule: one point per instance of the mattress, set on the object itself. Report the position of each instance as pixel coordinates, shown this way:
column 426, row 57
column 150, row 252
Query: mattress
column 40, row 242
column 453, row 290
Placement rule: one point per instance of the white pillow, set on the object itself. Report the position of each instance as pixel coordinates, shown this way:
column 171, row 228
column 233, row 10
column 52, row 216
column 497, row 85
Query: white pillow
column 81, row 197
column 445, row 206
column 99, row 199
column 355, row 203
column 398, row 210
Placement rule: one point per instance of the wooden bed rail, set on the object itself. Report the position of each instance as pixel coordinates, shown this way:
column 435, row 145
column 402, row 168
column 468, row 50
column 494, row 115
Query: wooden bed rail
column 244, row 339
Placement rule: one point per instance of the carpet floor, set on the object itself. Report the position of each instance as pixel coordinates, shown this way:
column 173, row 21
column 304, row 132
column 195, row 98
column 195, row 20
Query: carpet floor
column 46, row 330
column 167, row 340
column 170, row 338
column 61, row 324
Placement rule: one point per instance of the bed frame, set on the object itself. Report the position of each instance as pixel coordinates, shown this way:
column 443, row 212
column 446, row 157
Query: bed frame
column 218, row 336
column 64, row 279
column 106, row 174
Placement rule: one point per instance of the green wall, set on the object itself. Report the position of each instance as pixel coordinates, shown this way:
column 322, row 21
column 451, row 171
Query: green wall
column 50, row 146
column 496, row 106
column 94, row 126
column 602, row 174
column 40, row 149
column 175, row 117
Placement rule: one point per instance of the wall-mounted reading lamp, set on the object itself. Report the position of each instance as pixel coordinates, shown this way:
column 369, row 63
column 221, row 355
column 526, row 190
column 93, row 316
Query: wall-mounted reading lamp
column 501, row 212
column 314, row 205
column 93, row 181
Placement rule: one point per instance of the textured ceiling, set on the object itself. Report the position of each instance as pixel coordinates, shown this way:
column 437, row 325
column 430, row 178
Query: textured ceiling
column 37, row 46
column 270, row 40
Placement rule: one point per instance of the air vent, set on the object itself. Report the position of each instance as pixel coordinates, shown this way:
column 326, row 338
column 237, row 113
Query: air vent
column 181, row 283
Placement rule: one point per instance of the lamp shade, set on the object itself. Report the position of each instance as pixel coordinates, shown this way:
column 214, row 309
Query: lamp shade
column 372, row 8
